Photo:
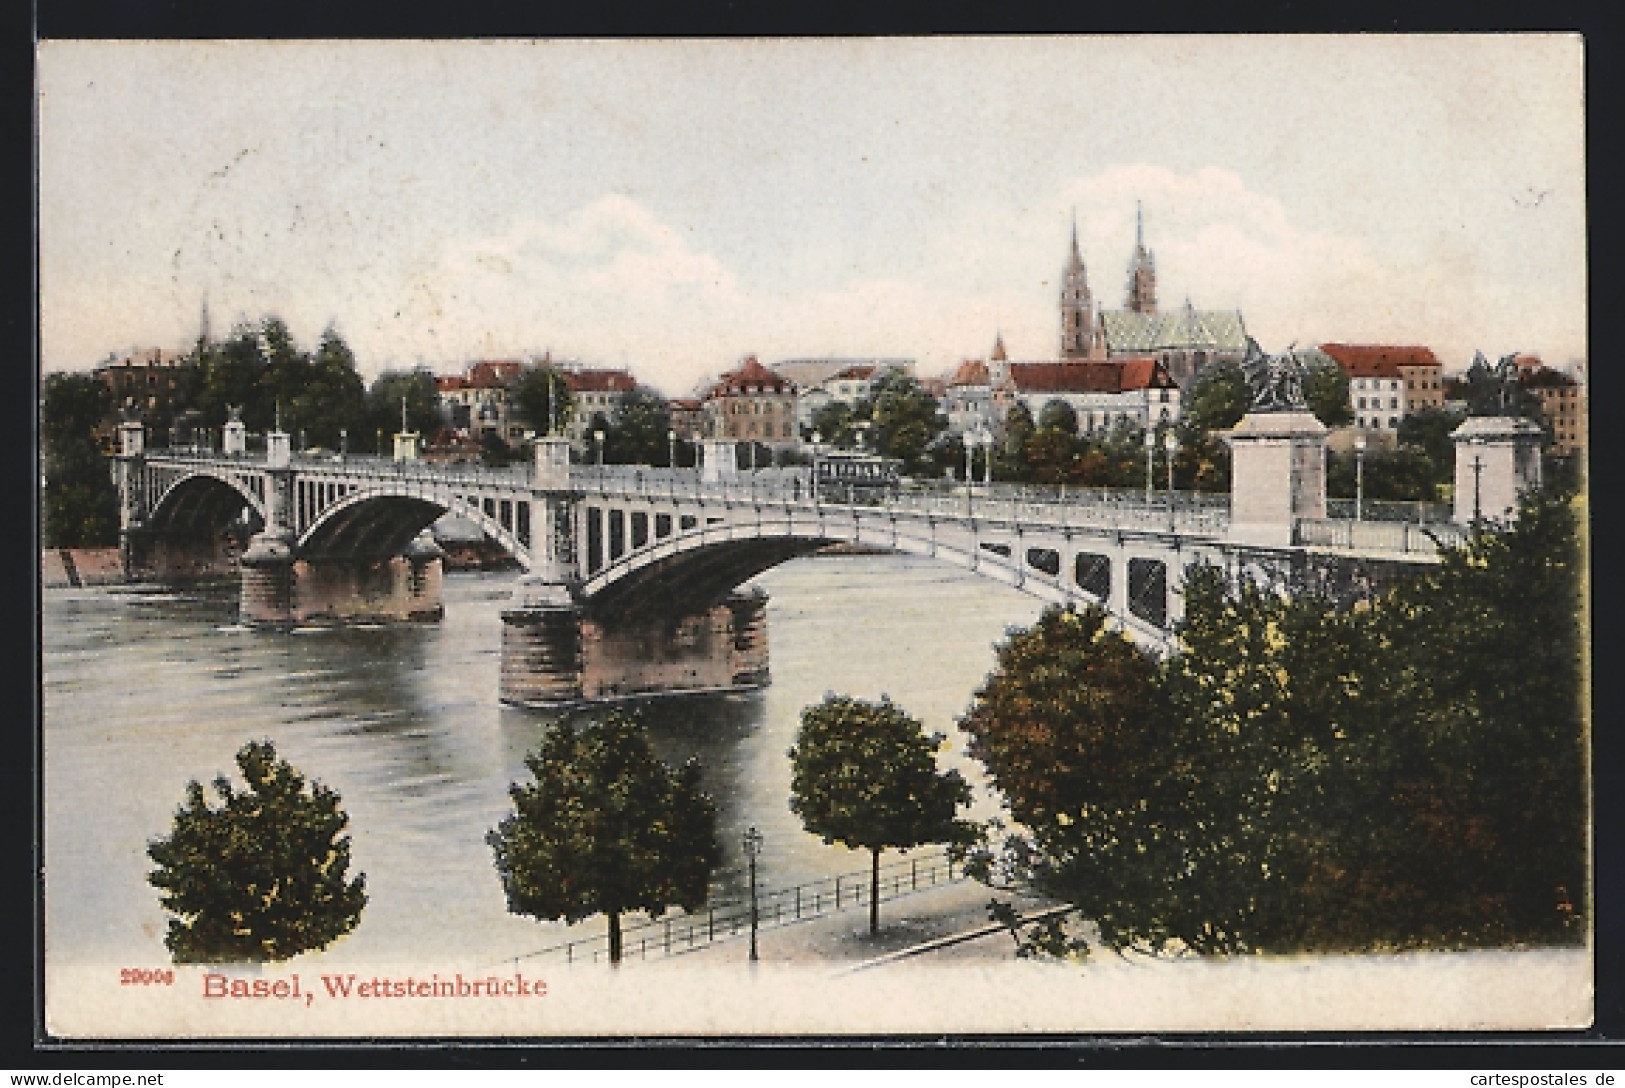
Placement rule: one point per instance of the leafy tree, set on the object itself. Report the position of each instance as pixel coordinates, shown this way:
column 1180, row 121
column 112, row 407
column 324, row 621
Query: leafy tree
column 1299, row 775
column 604, row 828
column 542, row 397
column 263, row 876
column 1058, row 415
column 384, row 406
column 904, row 419
column 1219, row 398
column 834, row 423
column 494, row 451
column 1428, row 432
column 865, row 775
column 328, row 397
column 80, row 501
column 1076, row 735
column 1326, row 389
column 638, row 433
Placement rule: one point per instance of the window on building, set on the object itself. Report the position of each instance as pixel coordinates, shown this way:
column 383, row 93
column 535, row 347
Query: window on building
column 1393, row 402
column 1393, row 423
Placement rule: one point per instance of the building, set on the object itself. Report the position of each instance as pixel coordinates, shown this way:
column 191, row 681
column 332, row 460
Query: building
column 752, row 403
column 479, row 401
column 1388, row 382
column 1185, row 341
column 968, row 404
column 1563, row 407
column 594, row 392
column 1103, row 394
column 687, row 417
column 145, row 383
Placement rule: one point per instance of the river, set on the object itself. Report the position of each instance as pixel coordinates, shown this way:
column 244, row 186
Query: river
column 147, row 687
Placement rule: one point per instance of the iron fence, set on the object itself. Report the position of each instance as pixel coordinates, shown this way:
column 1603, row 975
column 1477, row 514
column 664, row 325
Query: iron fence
column 679, row 932
column 1399, row 538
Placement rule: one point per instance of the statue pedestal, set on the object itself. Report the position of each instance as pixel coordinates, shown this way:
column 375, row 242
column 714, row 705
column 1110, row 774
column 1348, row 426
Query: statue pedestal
column 1277, row 475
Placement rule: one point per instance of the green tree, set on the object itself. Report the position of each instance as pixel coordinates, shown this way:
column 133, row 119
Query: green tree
column 638, row 433
column 1076, row 735
column 1219, row 398
column 80, row 502
column 1408, row 772
column 1058, row 415
column 329, row 398
column 604, row 828
column 1326, row 389
column 834, row 424
column 865, row 775
column 904, row 419
column 543, row 399
column 262, row 877
column 1428, row 432
column 384, row 407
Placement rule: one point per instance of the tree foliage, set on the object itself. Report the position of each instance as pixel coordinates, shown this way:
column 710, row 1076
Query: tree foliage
column 384, row 407
column 543, row 399
column 1301, row 775
column 1219, row 398
column 1058, row 415
column 639, row 432
column 80, row 502
column 262, row 877
column 865, row 775
column 604, row 827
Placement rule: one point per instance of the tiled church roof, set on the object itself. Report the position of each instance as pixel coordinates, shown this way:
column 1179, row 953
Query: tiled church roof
column 1185, row 329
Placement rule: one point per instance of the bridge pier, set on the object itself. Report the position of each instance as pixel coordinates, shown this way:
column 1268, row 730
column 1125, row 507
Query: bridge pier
column 556, row 654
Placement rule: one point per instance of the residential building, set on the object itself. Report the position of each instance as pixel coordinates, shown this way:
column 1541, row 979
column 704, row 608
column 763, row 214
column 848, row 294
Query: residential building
column 1563, row 407
column 1387, row 382
column 594, row 392
column 145, row 384
column 479, row 401
column 752, row 403
column 810, row 373
column 687, row 417
column 968, row 404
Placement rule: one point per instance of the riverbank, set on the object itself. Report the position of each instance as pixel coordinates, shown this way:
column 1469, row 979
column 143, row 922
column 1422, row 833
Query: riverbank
column 71, row 568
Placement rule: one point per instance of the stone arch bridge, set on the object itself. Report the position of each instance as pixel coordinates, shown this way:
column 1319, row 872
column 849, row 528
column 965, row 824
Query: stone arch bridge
column 633, row 577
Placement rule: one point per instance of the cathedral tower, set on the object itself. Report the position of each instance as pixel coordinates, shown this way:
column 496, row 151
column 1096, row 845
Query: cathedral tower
column 1142, row 272
column 1077, row 307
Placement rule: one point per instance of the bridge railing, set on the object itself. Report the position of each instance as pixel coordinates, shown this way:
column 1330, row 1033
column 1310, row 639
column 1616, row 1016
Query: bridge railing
column 1417, row 513
column 1399, row 538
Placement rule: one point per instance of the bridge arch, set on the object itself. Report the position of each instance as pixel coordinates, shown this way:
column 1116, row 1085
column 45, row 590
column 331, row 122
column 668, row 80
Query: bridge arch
column 203, row 501
column 696, row 568
column 382, row 523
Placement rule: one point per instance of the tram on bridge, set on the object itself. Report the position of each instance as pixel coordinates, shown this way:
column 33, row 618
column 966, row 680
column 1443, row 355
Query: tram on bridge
column 841, row 475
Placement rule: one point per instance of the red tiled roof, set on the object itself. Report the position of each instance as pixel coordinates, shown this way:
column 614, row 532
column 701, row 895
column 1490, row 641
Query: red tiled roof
column 685, row 404
column 144, row 357
column 852, row 373
column 492, row 374
column 1379, row 360
column 445, row 383
column 971, row 372
column 751, row 374
column 1528, row 362
column 600, row 381
column 1114, row 376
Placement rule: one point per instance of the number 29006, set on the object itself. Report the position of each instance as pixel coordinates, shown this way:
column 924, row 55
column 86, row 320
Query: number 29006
column 141, row 976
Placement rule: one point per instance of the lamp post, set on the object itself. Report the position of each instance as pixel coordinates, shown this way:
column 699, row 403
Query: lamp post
column 1170, row 442
column 1150, row 459
column 987, row 456
column 970, row 452
column 598, row 437
column 344, row 443
column 1359, row 476
column 753, row 847
column 1478, row 468
column 671, row 449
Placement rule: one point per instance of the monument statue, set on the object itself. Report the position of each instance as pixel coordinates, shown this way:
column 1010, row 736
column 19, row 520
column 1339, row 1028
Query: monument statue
column 1274, row 381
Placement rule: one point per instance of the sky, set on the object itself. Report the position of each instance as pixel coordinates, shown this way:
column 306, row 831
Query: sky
column 673, row 206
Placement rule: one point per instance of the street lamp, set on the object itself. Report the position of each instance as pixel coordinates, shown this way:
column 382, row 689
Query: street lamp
column 1359, row 476
column 671, row 449
column 987, row 456
column 753, row 847
column 1170, row 442
column 598, row 437
column 1478, row 468
column 970, row 452
column 1150, row 459
column 344, row 443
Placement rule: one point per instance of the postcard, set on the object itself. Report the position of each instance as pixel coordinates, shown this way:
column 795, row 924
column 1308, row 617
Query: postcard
column 829, row 536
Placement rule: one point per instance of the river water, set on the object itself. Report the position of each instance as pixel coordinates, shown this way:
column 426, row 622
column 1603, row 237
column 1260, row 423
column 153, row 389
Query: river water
column 146, row 688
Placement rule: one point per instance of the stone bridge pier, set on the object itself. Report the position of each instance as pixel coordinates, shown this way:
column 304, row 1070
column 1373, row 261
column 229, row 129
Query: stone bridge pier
column 283, row 585
column 559, row 647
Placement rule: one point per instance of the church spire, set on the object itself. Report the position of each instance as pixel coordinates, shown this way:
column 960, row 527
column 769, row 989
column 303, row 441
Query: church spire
column 1077, row 305
column 999, row 354
column 203, row 337
column 1142, row 271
